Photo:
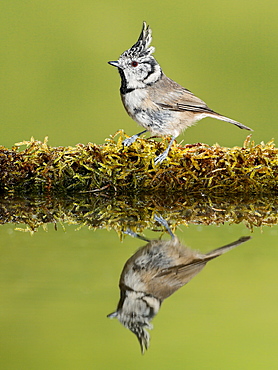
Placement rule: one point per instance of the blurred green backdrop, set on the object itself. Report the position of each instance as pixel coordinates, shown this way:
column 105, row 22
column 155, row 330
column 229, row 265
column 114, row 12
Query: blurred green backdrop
column 55, row 79
column 57, row 287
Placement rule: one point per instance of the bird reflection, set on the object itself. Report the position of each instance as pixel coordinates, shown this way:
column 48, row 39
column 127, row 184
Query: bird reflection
column 152, row 274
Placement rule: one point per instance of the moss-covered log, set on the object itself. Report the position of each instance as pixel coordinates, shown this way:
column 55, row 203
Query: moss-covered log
column 136, row 213
column 38, row 168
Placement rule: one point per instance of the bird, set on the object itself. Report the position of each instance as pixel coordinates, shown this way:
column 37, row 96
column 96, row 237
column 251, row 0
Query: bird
column 152, row 274
column 159, row 104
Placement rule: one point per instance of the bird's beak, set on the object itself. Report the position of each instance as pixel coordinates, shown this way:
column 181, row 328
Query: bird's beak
column 114, row 64
column 112, row 315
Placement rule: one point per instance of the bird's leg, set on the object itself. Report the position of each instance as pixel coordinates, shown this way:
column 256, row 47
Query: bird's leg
column 130, row 140
column 158, row 219
column 164, row 223
column 135, row 235
column 160, row 158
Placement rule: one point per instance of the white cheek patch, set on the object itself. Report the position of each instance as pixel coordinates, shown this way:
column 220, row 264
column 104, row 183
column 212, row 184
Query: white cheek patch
column 132, row 80
column 153, row 76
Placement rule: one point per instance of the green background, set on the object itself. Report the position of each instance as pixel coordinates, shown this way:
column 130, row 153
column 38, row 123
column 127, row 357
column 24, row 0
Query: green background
column 57, row 286
column 55, row 80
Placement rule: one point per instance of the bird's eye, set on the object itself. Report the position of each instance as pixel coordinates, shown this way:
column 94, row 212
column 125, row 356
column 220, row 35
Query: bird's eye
column 134, row 63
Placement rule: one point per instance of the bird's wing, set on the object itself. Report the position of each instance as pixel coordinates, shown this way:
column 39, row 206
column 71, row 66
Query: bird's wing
column 177, row 98
column 178, row 107
column 167, row 281
column 189, row 269
column 169, row 95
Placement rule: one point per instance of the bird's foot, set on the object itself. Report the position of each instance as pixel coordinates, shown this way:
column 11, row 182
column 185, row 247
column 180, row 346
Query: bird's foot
column 135, row 235
column 161, row 157
column 164, row 223
column 130, row 140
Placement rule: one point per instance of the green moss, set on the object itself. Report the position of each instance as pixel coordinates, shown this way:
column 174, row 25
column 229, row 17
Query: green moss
column 38, row 168
column 120, row 213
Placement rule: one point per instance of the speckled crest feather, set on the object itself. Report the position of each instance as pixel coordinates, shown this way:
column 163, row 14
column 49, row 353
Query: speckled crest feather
column 141, row 333
column 141, row 47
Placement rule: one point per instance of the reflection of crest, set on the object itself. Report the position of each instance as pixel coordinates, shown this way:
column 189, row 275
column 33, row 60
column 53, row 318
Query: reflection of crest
column 152, row 274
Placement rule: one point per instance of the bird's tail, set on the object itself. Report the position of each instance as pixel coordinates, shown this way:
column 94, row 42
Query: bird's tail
column 219, row 251
column 226, row 119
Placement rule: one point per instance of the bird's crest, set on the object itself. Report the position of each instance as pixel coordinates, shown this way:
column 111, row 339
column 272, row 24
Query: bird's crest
column 142, row 47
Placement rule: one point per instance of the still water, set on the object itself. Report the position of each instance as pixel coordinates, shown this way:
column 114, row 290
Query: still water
column 59, row 283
